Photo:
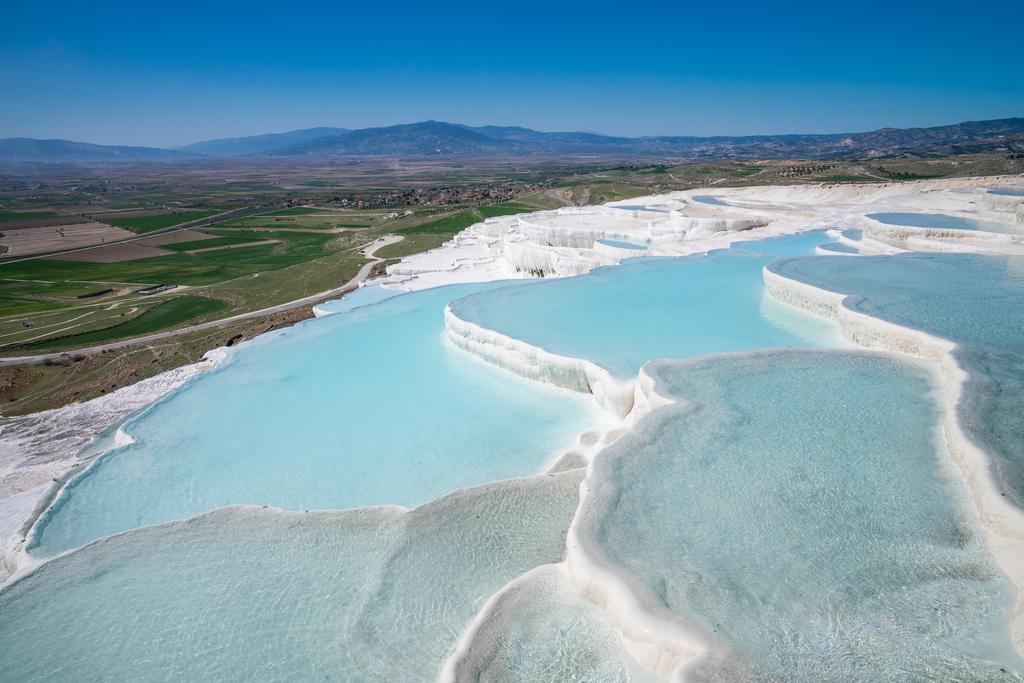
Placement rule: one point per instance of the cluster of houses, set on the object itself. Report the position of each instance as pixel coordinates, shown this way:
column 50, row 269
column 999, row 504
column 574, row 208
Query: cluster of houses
column 440, row 196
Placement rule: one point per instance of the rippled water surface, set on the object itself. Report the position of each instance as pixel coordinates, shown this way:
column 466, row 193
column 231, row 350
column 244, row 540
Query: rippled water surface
column 371, row 406
column 621, row 317
column 799, row 510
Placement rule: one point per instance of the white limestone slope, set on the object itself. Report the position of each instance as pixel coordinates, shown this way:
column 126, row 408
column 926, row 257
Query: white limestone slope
column 535, row 363
column 564, row 244
column 39, row 452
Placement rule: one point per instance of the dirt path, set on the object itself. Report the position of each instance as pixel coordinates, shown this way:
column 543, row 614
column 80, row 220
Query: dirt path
column 318, row 231
column 863, row 171
column 229, row 246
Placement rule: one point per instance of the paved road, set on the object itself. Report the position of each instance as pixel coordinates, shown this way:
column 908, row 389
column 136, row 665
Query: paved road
column 351, row 284
column 551, row 193
column 381, row 242
column 864, row 171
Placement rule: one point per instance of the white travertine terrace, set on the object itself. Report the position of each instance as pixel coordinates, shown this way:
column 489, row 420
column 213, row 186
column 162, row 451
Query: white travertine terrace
column 653, row 636
column 535, row 363
column 903, row 233
column 564, row 243
column 39, row 452
column 1003, row 520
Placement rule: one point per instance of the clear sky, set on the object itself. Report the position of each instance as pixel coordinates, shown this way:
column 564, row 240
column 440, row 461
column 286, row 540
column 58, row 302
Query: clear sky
column 165, row 74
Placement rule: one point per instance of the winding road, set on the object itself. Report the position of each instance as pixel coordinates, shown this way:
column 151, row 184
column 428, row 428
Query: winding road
column 864, row 171
column 552, row 193
column 348, row 286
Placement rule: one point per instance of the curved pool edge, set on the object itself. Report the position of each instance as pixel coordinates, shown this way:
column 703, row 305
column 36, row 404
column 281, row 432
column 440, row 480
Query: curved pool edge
column 1003, row 521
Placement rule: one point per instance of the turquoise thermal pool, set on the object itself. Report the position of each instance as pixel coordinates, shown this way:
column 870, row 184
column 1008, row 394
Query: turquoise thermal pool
column 792, row 512
column 621, row 244
column 642, row 208
column 542, row 632
column 838, row 249
column 624, row 316
column 810, row 526
column 802, row 244
column 974, row 300
column 971, row 298
column 710, row 200
column 364, row 296
column 247, row 594
column 940, row 220
column 368, row 407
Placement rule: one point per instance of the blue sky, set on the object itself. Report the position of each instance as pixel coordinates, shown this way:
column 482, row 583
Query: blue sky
column 174, row 73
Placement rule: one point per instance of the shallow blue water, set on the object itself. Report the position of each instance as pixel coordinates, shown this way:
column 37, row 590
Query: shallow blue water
column 710, row 200
column 840, row 248
column 786, row 525
column 543, row 633
column 623, row 245
column 798, row 509
column 364, row 296
column 975, row 300
column 963, row 297
column 1009, row 191
column 802, row 244
column 940, row 220
column 621, row 317
column 242, row 595
column 640, row 208
column 366, row 407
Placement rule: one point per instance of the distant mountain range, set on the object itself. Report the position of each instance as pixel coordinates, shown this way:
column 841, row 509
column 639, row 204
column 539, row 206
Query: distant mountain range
column 431, row 138
column 27, row 149
column 233, row 147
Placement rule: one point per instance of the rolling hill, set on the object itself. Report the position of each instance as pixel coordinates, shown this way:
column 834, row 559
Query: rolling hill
column 431, row 138
column 254, row 144
column 27, row 149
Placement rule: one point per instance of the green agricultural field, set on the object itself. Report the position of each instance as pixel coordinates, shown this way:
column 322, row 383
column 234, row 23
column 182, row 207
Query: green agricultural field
column 212, row 243
column 307, row 223
column 160, row 317
column 22, row 304
column 506, row 209
column 20, row 298
column 281, row 286
column 183, row 269
column 743, row 170
column 25, row 305
column 150, row 223
column 413, row 243
column 294, row 240
column 14, row 216
column 612, row 192
column 73, row 319
column 448, row 225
